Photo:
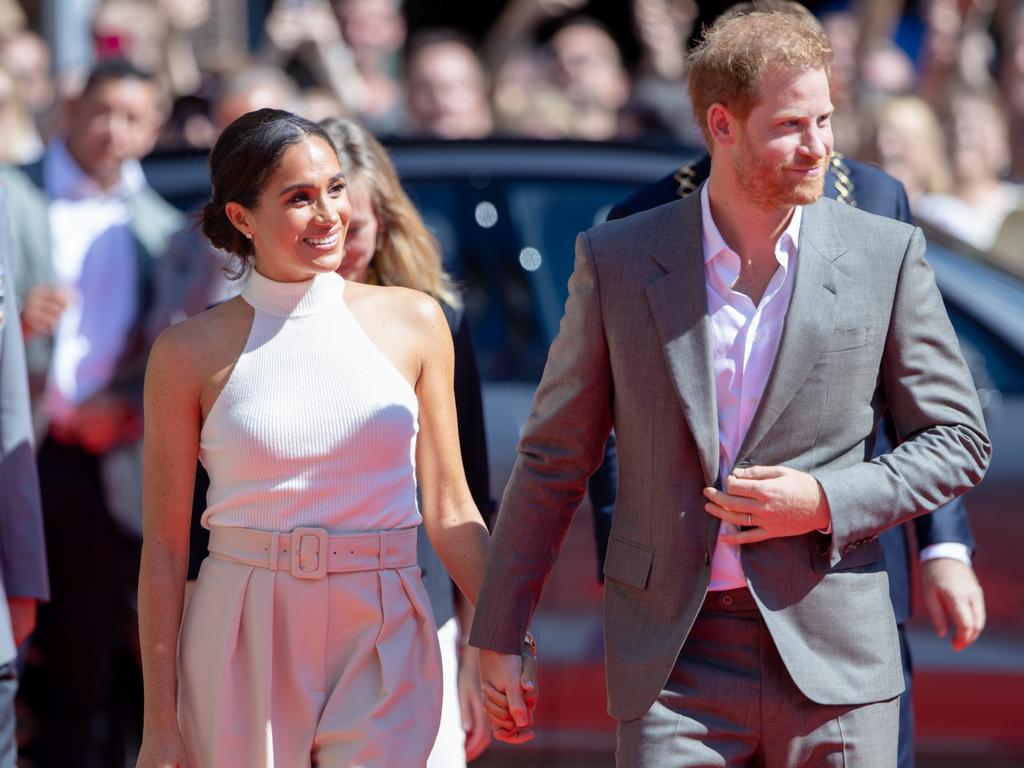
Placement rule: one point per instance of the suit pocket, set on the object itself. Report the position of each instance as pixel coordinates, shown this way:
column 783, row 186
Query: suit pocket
column 867, row 554
column 849, row 338
column 628, row 562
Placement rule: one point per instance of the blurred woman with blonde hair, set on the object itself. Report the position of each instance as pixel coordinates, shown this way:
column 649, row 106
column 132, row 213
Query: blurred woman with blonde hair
column 388, row 244
column 906, row 141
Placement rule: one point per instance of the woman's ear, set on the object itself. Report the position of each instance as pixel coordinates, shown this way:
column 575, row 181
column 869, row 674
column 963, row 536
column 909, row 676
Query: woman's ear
column 241, row 218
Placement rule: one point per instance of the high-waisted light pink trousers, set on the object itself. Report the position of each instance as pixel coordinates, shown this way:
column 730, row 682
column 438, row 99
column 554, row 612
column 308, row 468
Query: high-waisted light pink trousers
column 303, row 649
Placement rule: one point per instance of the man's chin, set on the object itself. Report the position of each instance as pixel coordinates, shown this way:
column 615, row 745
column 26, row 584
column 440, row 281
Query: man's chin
column 808, row 192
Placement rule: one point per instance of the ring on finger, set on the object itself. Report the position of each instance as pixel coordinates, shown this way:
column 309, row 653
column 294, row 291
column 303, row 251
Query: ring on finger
column 750, row 519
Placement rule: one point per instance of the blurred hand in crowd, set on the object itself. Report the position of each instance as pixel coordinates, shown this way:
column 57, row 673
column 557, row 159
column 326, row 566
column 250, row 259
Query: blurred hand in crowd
column 44, row 305
column 663, row 28
column 294, row 23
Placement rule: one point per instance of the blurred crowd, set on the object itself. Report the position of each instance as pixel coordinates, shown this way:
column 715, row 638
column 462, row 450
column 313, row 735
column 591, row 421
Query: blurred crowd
column 932, row 90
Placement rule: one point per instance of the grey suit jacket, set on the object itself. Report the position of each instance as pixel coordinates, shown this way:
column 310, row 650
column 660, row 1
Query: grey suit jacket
column 153, row 221
column 22, row 551
column 866, row 330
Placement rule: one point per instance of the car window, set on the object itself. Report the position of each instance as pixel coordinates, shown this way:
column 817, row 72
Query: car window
column 997, row 368
column 510, row 244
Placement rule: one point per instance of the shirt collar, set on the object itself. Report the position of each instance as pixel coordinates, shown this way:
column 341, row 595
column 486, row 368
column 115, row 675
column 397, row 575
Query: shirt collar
column 788, row 243
column 64, row 178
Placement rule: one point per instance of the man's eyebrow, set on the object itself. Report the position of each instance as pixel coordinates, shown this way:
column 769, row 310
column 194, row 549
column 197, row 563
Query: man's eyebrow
column 307, row 184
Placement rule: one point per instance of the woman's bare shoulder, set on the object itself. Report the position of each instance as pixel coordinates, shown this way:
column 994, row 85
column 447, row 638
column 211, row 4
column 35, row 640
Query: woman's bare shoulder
column 205, row 342
column 405, row 305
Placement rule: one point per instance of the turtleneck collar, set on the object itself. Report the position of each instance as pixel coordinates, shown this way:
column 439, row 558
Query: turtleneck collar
column 308, row 297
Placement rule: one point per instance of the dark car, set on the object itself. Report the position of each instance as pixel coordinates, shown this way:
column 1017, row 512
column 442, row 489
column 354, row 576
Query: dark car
column 507, row 213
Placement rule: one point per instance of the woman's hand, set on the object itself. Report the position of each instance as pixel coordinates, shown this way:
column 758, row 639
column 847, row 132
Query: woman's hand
column 162, row 749
column 471, row 702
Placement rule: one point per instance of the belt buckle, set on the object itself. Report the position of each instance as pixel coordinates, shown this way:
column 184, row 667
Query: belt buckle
column 301, row 538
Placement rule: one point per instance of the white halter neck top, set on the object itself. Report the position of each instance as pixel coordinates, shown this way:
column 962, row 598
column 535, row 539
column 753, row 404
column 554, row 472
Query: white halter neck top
column 315, row 427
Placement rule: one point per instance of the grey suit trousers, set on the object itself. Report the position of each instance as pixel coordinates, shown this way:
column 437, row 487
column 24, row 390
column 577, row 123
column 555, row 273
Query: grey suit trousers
column 730, row 702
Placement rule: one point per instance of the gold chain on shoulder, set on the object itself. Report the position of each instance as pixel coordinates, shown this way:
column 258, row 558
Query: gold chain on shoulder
column 685, row 177
column 844, row 185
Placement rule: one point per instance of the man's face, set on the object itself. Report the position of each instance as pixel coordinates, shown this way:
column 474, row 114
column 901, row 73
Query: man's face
column 782, row 150
column 116, row 120
column 977, row 139
column 446, row 92
column 588, row 68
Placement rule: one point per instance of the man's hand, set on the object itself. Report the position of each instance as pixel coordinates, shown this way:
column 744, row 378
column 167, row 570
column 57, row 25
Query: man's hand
column 44, row 304
column 769, row 502
column 952, row 594
column 471, row 702
column 510, row 694
column 100, row 423
column 23, row 617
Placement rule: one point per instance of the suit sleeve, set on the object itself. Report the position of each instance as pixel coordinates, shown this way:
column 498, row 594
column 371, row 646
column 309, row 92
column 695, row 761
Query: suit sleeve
column 22, row 551
column 561, row 446
column 943, row 448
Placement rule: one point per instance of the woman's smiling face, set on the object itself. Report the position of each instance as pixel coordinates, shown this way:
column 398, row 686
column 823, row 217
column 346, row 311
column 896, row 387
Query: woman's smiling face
column 299, row 223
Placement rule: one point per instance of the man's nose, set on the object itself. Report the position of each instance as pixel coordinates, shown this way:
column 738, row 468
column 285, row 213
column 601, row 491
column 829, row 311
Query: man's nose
column 818, row 142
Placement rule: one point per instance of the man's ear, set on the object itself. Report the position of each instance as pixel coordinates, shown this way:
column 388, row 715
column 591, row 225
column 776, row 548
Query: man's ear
column 241, row 218
column 722, row 125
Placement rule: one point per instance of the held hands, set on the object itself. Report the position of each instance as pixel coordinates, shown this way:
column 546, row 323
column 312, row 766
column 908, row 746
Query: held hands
column 509, row 685
column 471, row 702
column 768, row 503
column 952, row 595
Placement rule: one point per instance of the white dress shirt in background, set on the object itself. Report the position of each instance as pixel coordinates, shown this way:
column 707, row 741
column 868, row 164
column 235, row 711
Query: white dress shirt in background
column 94, row 257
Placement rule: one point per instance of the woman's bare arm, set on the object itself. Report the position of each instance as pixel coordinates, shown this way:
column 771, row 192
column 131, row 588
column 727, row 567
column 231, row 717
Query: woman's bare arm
column 171, row 445
column 450, row 516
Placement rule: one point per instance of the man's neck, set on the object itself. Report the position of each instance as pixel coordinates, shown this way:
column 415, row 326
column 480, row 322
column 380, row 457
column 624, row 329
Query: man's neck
column 751, row 230
column 103, row 181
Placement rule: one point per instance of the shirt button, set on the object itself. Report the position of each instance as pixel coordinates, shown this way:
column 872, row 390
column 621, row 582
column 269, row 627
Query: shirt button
column 727, row 600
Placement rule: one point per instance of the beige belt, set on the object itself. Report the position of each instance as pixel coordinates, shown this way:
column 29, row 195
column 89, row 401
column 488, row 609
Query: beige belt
column 310, row 553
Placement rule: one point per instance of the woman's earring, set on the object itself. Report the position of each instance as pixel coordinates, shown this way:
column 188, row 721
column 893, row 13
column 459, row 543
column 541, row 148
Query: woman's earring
column 249, row 235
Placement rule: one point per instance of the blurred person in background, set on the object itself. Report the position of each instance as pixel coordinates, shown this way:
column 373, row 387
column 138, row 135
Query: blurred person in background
column 388, row 244
column 659, row 106
column 24, row 582
column 88, row 232
column 375, row 31
column 21, row 143
column 155, row 36
column 1011, row 83
column 27, row 56
column 587, row 69
column 446, row 87
column 977, row 136
column 305, row 38
column 525, row 103
column 903, row 137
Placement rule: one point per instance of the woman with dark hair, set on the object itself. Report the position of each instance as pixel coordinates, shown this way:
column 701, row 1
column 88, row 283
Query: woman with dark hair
column 315, row 404
column 388, row 244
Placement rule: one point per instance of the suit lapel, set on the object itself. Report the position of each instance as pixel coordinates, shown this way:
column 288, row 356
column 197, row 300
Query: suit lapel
column 678, row 304
column 809, row 320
